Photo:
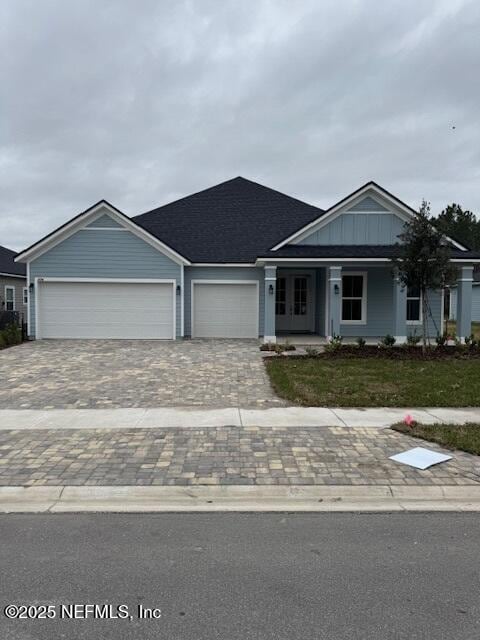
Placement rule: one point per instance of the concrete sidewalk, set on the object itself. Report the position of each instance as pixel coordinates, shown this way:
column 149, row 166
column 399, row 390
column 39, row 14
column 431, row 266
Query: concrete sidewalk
column 69, row 499
column 202, row 418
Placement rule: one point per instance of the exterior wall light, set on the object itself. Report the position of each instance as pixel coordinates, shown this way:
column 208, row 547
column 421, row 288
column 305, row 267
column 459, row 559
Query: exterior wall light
column 336, row 289
column 270, row 289
column 179, row 289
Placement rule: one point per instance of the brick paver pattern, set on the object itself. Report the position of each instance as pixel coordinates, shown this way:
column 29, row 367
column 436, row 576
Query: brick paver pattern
column 220, row 456
column 91, row 374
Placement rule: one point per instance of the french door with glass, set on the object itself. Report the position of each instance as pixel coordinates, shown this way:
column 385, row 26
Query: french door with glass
column 293, row 303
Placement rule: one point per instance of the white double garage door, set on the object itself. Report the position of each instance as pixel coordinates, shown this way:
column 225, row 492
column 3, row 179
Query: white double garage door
column 143, row 309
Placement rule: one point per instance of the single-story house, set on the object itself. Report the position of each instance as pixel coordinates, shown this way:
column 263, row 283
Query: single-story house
column 237, row 260
column 475, row 299
column 13, row 283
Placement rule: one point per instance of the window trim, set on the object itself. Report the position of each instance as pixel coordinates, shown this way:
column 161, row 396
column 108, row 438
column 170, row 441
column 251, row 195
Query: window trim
column 25, row 295
column 12, row 287
column 420, row 310
column 363, row 320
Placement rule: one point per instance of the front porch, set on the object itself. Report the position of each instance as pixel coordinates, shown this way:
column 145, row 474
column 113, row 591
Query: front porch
column 307, row 304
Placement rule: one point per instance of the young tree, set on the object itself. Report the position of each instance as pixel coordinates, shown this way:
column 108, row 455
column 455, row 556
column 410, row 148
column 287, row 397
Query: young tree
column 423, row 261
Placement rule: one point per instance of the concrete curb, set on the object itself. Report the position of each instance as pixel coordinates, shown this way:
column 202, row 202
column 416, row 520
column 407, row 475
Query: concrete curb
column 192, row 417
column 138, row 499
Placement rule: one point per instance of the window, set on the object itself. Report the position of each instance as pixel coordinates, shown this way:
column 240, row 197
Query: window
column 25, row 295
column 414, row 306
column 9, row 298
column 281, row 297
column 300, row 296
column 354, row 298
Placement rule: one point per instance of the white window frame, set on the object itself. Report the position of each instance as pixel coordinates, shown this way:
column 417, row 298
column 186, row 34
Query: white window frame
column 25, row 296
column 420, row 311
column 12, row 288
column 363, row 320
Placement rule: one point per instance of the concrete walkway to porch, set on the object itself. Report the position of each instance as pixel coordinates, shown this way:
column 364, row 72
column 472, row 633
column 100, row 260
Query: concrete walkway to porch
column 170, row 417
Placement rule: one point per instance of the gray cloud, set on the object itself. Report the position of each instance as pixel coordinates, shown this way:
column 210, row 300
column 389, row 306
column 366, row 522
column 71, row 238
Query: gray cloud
column 143, row 102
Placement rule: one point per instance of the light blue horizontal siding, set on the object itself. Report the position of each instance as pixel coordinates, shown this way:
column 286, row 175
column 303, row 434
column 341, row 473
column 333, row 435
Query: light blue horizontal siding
column 104, row 254
column 475, row 304
column 368, row 204
column 105, row 221
column 222, row 273
column 358, row 229
column 380, row 307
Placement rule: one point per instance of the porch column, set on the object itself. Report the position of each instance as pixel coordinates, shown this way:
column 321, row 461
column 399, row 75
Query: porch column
column 464, row 303
column 399, row 309
column 334, row 300
column 269, row 295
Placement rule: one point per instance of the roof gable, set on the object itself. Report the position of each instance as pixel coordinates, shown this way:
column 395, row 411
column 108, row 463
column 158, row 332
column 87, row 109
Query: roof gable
column 86, row 220
column 369, row 195
column 368, row 204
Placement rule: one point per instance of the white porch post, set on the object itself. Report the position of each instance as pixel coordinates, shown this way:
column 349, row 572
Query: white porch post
column 399, row 310
column 464, row 303
column 334, row 301
column 269, row 295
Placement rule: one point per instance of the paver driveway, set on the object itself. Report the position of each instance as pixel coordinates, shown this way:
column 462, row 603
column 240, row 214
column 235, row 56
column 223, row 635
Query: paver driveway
column 54, row 374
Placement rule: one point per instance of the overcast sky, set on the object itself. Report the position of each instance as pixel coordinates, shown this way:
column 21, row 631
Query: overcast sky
column 144, row 101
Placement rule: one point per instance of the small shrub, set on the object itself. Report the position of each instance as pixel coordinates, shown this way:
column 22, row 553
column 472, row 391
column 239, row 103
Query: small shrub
column 413, row 339
column 288, row 347
column 334, row 343
column 3, row 342
column 312, row 352
column 388, row 341
column 361, row 342
column 11, row 335
column 267, row 346
column 441, row 339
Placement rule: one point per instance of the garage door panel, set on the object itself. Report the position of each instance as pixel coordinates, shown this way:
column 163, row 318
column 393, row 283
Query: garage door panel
column 225, row 310
column 105, row 310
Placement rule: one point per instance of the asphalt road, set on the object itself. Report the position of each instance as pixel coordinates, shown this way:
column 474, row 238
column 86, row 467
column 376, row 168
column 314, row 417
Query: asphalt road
column 245, row 576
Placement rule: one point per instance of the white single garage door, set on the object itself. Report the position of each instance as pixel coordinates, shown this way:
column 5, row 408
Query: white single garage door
column 105, row 310
column 225, row 310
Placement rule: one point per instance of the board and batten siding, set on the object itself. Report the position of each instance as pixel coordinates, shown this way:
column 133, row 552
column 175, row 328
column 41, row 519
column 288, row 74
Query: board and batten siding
column 367, row 222
column 104, row 254
column 358, row 229
column 222, row 273
column 379, row 319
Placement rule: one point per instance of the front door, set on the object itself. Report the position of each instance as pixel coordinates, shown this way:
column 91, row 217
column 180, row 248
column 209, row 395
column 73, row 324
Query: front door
column 293, row 304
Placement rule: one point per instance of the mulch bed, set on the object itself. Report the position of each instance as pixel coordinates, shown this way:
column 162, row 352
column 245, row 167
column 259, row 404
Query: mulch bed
column 398, row 353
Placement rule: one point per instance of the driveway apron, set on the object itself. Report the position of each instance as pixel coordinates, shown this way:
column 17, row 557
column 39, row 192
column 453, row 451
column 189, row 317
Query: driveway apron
column 73, row 374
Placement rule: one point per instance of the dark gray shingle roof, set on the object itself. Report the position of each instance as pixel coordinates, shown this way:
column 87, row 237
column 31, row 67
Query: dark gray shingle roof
column 234, row 221
column 7, row 264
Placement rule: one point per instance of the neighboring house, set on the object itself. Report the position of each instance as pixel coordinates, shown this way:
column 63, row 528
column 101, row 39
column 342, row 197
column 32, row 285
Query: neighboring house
column 475, row 299
column 13, row 283
column 237, row 260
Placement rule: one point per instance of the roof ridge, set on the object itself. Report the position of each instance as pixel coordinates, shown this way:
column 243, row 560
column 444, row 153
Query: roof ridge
column 236, row 179
column 190, row 195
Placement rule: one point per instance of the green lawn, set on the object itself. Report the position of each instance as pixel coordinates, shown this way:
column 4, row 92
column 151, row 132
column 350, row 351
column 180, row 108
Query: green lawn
column 465, row 437
column 376, row 382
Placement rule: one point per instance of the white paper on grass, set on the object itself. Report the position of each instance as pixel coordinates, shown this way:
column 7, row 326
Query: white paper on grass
column 420, row 458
